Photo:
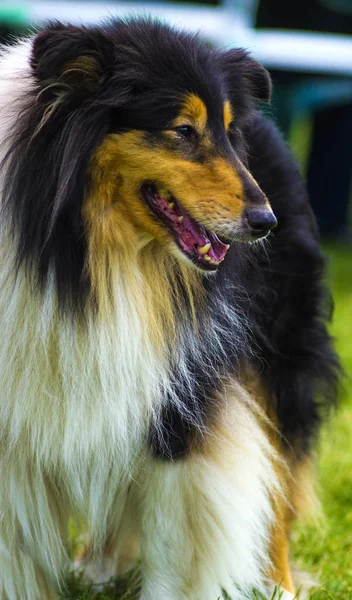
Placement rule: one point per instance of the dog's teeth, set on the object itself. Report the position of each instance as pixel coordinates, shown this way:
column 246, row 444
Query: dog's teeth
column 204, row 249
column 212, row 262
column 171, row 205
column 180, row 219
column 227, row 247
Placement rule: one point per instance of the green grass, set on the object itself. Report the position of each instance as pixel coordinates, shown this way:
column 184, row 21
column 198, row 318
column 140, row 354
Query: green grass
column 324, row 548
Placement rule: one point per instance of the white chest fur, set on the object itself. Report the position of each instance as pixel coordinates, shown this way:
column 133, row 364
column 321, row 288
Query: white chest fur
column 72, row 397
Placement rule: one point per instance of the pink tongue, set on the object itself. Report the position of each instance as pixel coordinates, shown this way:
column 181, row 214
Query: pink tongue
column 218, row 249
column 199, row 235
column 192, row 235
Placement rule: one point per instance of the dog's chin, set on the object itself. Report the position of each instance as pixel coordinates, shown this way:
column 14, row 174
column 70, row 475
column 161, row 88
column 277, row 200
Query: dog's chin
column 194, row 243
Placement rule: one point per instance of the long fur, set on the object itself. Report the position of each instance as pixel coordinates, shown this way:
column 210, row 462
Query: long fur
column 123, row 389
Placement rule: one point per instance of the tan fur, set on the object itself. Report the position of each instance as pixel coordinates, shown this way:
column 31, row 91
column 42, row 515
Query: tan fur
column 114, row 243
column 212, row 193
column 228, row 114
column 193, row 112
column 120, row 224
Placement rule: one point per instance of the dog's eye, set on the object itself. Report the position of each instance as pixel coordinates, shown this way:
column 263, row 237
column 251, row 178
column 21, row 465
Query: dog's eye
column 187, row 132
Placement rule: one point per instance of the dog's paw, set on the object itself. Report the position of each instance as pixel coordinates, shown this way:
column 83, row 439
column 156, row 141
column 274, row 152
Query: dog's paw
column 279, row 593
column 92, row 571
column 285, row 595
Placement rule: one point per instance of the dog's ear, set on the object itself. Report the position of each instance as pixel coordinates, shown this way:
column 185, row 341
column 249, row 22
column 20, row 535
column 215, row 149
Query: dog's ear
column 72, row 59
column 237, row 64
column 63, row 120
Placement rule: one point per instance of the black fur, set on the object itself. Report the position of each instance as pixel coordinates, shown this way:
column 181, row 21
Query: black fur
column 287, row 306
column 290, row 308
column 134, row 75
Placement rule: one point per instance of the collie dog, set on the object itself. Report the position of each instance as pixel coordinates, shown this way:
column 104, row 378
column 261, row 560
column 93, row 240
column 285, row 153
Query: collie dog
column 163, row 369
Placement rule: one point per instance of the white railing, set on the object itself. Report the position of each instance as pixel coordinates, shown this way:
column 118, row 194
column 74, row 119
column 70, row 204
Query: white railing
column 227, row 25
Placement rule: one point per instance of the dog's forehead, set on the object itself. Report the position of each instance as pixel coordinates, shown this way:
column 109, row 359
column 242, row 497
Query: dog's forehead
column 168, row 96
column 166, row 68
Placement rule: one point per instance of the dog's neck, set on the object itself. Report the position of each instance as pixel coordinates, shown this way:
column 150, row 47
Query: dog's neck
column 160, row 288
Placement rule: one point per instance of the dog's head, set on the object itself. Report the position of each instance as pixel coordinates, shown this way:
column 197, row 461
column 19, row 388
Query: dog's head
column 133, row 133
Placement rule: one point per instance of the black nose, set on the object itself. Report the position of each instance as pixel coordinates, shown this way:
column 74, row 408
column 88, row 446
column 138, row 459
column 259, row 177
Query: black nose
column 260, row 220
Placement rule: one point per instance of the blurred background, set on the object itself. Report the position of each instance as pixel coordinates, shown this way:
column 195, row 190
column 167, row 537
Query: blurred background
column 307, row 47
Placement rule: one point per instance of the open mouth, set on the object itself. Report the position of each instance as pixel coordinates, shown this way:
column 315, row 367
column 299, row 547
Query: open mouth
column 202, row 247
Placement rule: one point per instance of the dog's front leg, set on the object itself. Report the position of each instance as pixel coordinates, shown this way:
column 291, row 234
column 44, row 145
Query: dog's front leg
column 33, row 530
column 206, row 517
